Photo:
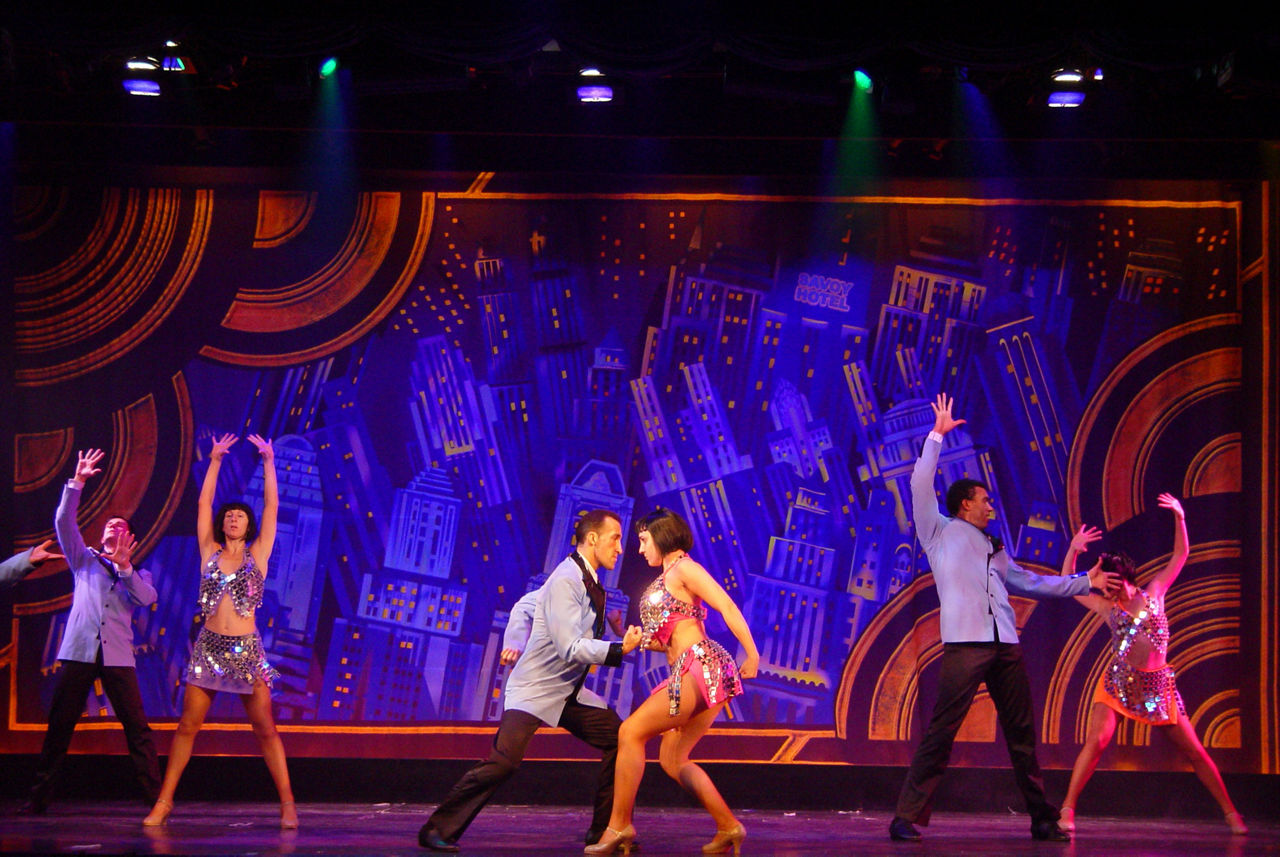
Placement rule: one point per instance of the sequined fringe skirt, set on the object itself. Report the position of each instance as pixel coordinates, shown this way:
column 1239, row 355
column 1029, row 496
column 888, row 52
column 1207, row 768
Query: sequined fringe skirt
column 714, row 673
column 1148, row 696
column 226, row 663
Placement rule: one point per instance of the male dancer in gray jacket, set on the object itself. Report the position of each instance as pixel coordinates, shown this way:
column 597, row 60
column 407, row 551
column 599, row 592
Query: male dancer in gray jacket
column 97, row 643
column 546, row 686
column 973, row 574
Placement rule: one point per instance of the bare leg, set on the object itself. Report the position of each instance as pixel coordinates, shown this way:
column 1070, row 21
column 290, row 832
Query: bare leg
column 674, row 755
column 1102, row 726
column 651, row 718
column 195, row 705
column 1184, row 738
column 258, row 706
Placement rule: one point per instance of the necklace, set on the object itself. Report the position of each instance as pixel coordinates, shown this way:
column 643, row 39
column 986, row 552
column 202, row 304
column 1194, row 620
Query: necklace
column 673, row 562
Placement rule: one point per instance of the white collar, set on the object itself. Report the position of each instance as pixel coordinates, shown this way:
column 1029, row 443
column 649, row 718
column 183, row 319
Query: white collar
column 589, row 566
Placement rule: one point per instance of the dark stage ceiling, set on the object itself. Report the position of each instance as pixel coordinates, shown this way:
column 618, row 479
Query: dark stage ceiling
column 699, row 88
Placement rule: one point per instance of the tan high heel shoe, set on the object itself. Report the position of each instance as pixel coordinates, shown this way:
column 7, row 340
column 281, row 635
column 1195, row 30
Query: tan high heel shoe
column 620, row 839
column 1236, row 823
column 1067, row 818
column 288, row 815
column 726, row 839
column 159, row 813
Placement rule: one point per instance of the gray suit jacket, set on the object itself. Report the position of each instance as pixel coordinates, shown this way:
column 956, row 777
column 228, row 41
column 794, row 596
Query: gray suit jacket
column 16, row 567
column 973, row 582
column 561, row 648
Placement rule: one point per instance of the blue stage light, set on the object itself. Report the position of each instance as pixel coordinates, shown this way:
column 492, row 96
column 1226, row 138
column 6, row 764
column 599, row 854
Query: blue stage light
column 134, row 86
column 595, row 93
column 1066, row 98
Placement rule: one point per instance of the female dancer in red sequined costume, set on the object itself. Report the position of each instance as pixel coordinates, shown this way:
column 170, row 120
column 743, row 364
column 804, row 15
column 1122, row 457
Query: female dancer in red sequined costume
column 1139, row 683
column 703, row 679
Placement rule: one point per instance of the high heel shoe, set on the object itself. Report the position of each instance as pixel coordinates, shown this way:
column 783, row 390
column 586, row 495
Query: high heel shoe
column 288, row 815
column 159, row 813
column 1236, row 823
column 726, row 839
column 1067, row 819
column 621, row 839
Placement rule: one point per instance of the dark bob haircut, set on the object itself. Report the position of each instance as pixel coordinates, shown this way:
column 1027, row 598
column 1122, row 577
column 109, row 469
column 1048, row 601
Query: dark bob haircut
column 592, row 521
column 961, row 490
column 250, row 533
column 668, row 530
column 1120, row 563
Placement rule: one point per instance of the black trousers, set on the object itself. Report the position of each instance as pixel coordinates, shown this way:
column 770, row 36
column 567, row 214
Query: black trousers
column 964, row 666
column 121, row 686
column 596, row 726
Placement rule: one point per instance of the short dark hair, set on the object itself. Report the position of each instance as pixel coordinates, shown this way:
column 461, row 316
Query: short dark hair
column 592, row 521
column 250, row 533
column 669, row 531
column 113, row 516
column 1117, row 562
column 961, row 490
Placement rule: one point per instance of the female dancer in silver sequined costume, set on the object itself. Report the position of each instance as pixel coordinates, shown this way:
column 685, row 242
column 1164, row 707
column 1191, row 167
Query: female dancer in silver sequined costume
column 703, row 678
column 1139, row 683
column 228, row 655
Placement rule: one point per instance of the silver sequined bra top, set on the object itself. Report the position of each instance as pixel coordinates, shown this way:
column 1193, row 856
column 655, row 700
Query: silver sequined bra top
column 660, row 611
column 1151, row 622
column 244, row 586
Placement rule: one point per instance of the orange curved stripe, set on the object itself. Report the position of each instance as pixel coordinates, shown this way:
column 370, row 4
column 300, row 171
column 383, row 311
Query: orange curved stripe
column 39, row 457
column 159, row 309
column 333, row 287
column 282, row 216
column 1215, row 469
column 1102, row 396
column 116, row 289
column 1141, row 428
column 111, row 221
column 358, row 330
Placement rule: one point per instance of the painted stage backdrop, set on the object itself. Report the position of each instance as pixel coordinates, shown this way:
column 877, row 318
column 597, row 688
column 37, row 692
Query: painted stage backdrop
column 453, row 368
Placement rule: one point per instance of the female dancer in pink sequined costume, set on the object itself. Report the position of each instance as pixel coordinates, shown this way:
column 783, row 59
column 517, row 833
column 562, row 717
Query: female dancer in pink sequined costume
column 228, row 654
column 1139, row 683
column 703, row 679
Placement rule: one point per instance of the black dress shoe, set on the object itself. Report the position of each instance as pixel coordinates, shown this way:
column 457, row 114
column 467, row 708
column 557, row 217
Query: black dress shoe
column 902, row 830
column 1049, row 831
column 32, row 808
column 430, row 838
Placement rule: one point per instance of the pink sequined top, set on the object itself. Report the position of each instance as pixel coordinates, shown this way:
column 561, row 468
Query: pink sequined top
column 244, row 586
column 660, row 611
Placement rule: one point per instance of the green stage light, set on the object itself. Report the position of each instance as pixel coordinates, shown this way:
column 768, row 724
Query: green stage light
column 328, row 67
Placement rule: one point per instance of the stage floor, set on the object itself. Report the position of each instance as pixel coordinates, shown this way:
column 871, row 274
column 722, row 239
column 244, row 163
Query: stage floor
column 82, row 827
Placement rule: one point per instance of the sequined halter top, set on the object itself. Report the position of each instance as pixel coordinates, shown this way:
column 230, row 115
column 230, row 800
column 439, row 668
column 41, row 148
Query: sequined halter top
column 660, row 611
column 1150, row 621
column 245, row 586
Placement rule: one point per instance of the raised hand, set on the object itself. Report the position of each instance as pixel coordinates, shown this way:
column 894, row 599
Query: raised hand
column 87, row 464
column 1087, row 535
column 41, row 552
column 1170, row 502
column 122, row 552
column 264, row 447
column 943, row 422
column 221, row 445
